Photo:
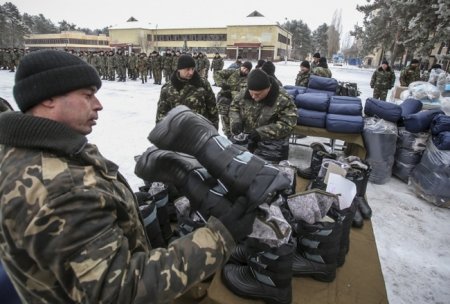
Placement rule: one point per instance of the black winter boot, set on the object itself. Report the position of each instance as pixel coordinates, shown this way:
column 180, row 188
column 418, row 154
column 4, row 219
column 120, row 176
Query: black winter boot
column 238, row 170
column 188, row 176
column 361, row 178
column 358, row 220
column 347, row 215
column 319, row 153
column 318, row 248
column 268, row 276
column 148, row 212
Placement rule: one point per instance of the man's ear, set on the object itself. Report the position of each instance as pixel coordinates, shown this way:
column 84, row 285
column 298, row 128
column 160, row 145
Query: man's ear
column 49, row 103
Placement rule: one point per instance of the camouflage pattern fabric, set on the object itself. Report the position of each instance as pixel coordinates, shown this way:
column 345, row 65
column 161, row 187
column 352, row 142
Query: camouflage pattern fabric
column 381, row 82
column 321, row 71
column 111, row 63
column 142, row 65
column 167, row 66
column 157, row 66
column 71, row 231
column 217, row 64
column 311, row 206
column 302, row 79
column 196, row 94
column 273, row 118
column 121, row 64
column 409, row 74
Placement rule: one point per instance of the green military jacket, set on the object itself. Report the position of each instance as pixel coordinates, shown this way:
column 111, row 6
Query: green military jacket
column 302, row 79
column 195, row 93
column 71, row 231
column 273, row 118
column 321, row 71
column 408, row 75
column 382, row 80
column 232, row 78
column 217, row 64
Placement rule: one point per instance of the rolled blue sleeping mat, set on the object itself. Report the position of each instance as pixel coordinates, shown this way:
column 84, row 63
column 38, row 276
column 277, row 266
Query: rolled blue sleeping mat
column 421, row 121
column 382, row 109
column 329, row 93
column 345, row 108
column 440, row 123
column 344, row 123
column 345, row 99
column 442, row 140
column 322, row 83
column 312, row 101
column 411, row 106
column 292, row 92
column 311, row 118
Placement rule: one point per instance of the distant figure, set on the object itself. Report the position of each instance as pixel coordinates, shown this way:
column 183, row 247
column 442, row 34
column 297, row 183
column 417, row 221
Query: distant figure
column 260, row 63
column 315, row 61
column 237, row 64
column 322, row 69
column 217, row 65
column 303, row 75
column 269, row 68
column 410, row 73
column 383, row 79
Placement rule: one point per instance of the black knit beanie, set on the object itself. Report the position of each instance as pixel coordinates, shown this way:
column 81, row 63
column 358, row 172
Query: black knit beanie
column 247, row 65
column 185, row 61
column 269, row 68
column 49, row 73
column 316, row 55
column 259, row 63
column 258, row 80
column 305, row 64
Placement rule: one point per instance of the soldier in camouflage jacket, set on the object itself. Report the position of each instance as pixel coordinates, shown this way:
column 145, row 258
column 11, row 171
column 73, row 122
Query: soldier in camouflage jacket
column 267, row 113
column 302, row 79
column 410, row 73
column 186, row 87
column 217, row 64
column 383, row 79
column 71, row 231
column 322, row 69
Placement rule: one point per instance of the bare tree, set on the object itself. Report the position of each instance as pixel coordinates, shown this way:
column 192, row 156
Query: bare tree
column 334, row 33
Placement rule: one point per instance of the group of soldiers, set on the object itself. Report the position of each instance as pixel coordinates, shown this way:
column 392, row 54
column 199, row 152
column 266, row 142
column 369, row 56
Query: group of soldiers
column 10, row 58
column 122, row 64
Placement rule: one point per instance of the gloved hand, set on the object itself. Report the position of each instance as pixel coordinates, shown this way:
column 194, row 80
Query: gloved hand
column 239, row 219
column 236, row 128
column 143, row 197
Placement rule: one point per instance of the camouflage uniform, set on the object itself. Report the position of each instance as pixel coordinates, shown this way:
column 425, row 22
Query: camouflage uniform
column 167, row 66
column 132, row 66
column 111, row 63
column 142, row 64
column 409, row 74
column 207, row 65
column 217, row 65
column 103, row 67
column 157, row 66
column 381, row 82
column 71, row 231
column 236, row 82
column 195, row 93
column 302, row 79
column 321, row 71
column 121, row 66
column 201, row 66
column 273, row 118
column 175, row 58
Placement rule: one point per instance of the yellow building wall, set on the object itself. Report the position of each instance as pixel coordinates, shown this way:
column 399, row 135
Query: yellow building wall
column 65, row 37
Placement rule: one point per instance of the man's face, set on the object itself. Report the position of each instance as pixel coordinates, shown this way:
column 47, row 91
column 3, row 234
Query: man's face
column 316, row 60
column 304, row 69
column 186, row 73
column 259, row 95
column 78, row 109
column 384, row 66
column 244, row 70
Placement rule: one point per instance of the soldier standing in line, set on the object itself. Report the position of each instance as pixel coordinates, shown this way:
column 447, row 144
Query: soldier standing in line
column 111, row 64
column 186, row 87
column 175, row 57
column 71, row 230
column 382, row 80
column 167, row 65
column 121, row 65
column 232, row 82
column 217, row 65
column 149, row 66
column 207, row 65
column 142, row 64
column 303, row 75
column 103, row 67
column 410, row 73
column 195, row 57
column 96, row 62
column 132, row 66
column 201, row 65
column 157, row 66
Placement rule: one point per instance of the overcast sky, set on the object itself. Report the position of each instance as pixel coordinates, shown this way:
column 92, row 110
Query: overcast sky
column 100, row 13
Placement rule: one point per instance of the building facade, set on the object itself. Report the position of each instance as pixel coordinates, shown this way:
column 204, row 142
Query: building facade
column 75, row 40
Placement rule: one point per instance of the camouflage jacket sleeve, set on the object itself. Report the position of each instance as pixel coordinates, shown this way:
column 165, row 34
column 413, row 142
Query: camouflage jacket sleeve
column 392, row 79
column 211, row 106
column 164, row 105
column 373, row 79
column 222, row 76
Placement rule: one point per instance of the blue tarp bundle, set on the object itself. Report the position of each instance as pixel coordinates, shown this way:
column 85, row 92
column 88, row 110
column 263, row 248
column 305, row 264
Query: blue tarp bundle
column 382, row 109
column 312, row 101
column 311, row 118
column 8, row 294
column 322, row 83
column 411, row 106
column 292, row 87
column 345, row 105
column 329, row 93
column 420, row 122
column 344, row 123
column 442, row 140
column 440, row 123
column 292, row 92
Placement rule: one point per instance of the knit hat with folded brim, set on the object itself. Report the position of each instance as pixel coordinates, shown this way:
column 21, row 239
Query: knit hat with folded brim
column 48, row 73
column 258, row 80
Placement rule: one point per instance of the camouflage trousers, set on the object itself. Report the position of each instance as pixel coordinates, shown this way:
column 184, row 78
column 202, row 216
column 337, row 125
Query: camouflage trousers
column 380, row 94
column 223, row 107
column 157, row 75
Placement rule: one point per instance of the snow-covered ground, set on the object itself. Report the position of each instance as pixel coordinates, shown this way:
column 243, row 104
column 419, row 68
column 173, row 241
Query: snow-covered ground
column 413, row 237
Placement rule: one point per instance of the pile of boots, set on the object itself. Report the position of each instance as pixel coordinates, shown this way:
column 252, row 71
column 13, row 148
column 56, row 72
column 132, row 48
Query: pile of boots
column 257, row 271
column 319, row 152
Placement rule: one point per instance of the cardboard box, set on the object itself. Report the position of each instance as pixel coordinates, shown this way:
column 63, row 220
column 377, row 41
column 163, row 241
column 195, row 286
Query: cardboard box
column 397, row 91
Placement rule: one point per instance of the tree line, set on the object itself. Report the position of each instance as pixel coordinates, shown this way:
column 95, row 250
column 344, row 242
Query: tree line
column 14, row 26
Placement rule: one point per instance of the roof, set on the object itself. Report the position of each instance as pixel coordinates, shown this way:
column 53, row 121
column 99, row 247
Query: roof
column 132, row 25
